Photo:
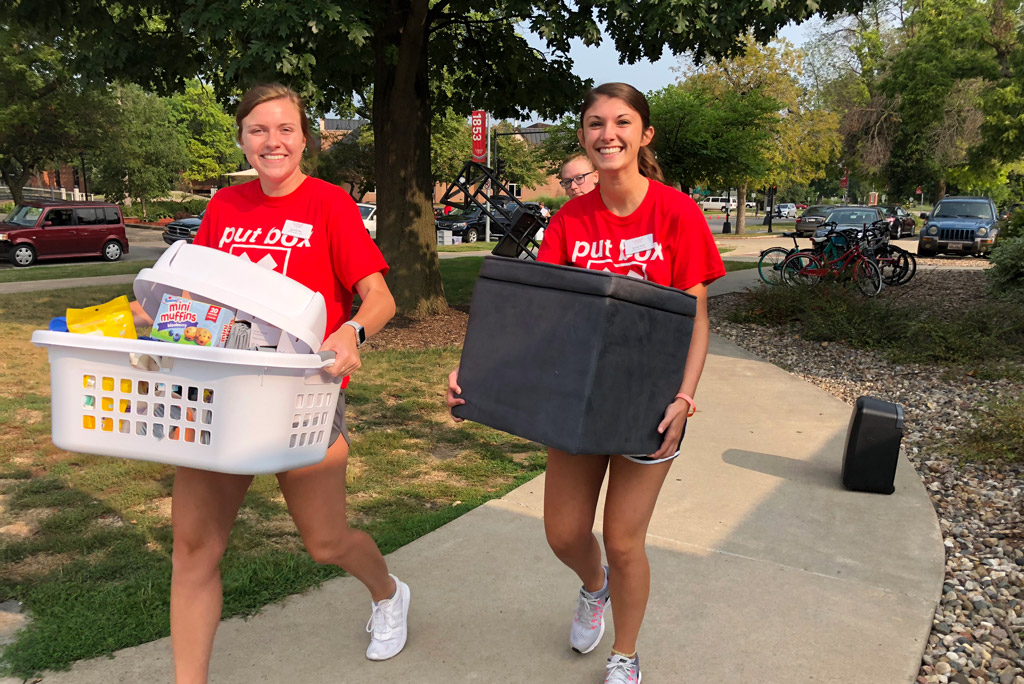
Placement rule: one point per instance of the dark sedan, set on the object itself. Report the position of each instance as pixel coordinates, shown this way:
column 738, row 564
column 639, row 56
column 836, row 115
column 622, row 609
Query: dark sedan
column 812, row 217
column 469, row 224
column 855, row 218
column 901, row 222
column 183, row 229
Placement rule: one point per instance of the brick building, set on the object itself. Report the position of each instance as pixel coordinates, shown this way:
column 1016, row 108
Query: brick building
column 335, row 131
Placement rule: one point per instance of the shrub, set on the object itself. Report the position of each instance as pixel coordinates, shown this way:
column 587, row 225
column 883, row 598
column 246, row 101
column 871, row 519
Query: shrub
column 167, row 209
column 6, row 208
column 552, row 203
column 1000, row 431
column 828, row 312
column 1007, row 270
column 978, row 334
column 987, row 336
column 1014, row 228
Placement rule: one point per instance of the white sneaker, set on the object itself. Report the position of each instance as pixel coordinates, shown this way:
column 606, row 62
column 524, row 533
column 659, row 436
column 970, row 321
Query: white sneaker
column 623, row 670
column 388, row 624
column 588, row 623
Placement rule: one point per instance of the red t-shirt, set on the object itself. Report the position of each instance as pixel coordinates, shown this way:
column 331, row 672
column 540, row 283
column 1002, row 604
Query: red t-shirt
column 666, row 240
column 314, row 235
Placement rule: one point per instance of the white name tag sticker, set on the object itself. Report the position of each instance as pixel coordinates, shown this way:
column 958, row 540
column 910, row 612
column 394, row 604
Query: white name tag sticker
column 296, row 229
column 638, row 244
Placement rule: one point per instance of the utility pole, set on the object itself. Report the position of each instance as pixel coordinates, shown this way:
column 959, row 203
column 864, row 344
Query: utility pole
column 487, row 218
column 85, row 185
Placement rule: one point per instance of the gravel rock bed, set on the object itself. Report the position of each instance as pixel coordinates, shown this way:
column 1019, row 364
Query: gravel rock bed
column 978, row 628
column 971, row 262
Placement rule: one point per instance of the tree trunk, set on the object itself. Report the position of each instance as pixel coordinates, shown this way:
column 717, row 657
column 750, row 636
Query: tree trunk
column 741, row 208
column 941, row 191
column 401, row 128
column 16, row 182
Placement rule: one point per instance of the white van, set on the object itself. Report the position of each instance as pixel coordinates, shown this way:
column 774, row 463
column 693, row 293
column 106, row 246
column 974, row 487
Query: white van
column 718, row 203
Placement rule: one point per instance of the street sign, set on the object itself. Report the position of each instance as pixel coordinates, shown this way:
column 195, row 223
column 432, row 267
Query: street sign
column 479, row 124
column 919, row 190
column 844, row 182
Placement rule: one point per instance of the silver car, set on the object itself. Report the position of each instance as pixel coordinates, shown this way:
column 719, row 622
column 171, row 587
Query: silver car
column 785, row 210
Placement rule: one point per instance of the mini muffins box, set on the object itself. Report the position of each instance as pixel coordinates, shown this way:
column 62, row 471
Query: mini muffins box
column 187, row 321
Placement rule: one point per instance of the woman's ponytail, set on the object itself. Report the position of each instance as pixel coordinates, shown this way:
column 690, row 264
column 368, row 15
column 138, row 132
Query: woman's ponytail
column 649, row 165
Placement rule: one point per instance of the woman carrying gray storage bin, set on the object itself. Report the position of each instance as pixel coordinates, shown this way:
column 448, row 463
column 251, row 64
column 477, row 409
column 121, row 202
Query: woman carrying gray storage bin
column 638, row 228
column 312, row 232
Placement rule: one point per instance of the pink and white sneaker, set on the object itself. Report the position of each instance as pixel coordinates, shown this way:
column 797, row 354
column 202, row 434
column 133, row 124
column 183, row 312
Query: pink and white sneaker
column 588, row 623
column 623, row 670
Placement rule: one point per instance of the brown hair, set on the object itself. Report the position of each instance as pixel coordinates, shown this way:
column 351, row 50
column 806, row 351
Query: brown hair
column 265, row 92
column 571, row 158
column 636, row 101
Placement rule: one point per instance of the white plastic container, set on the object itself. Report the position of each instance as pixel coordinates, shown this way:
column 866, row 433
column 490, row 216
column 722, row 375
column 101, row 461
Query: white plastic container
column 225, row 410
column 254, row 291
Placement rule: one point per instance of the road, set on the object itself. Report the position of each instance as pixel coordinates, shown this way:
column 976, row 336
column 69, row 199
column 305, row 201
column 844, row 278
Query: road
column 143, row 245
column 147, row 244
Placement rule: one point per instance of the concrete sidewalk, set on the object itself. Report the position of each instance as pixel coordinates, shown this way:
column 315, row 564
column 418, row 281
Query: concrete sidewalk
column 764, row 570
column 736, row 281
column 66, row 283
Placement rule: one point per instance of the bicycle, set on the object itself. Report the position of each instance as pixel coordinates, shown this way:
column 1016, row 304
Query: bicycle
column 769, row 264
column 896, row 264
column 810, row 267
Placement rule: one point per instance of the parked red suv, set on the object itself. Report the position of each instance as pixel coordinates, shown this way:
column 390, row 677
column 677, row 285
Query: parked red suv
column 47, row 229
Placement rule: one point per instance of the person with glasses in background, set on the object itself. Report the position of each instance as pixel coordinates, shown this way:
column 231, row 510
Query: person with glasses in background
column 578, row 176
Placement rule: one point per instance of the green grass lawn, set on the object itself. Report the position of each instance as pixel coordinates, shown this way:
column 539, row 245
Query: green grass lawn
column 468, row 247
column 93, row 565
column 731, row 266
column 17, row 275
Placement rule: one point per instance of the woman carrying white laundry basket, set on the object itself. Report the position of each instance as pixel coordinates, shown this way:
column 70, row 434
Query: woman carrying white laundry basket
column 311, row 231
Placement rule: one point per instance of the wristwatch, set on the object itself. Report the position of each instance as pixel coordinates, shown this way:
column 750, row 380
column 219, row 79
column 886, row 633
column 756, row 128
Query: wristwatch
column 360, row 332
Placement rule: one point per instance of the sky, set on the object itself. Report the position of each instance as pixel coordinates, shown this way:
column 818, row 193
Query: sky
column 602, row 63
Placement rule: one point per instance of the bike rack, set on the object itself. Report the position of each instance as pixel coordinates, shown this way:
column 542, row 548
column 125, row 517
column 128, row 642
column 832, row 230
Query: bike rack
column 521, row 222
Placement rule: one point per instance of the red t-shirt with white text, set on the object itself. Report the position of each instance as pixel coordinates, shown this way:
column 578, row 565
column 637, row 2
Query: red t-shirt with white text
column 313, row 235
column 666, row 240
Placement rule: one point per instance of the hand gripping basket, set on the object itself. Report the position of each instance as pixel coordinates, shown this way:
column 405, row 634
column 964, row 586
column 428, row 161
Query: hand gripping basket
column 225, row 410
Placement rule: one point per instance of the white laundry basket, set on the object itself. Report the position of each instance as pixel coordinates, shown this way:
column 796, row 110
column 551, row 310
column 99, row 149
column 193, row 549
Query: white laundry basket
column 225, row 410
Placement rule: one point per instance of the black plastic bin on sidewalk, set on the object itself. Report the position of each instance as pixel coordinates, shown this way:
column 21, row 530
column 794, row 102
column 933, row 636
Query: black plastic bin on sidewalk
column 873, row 446
column 583, row 361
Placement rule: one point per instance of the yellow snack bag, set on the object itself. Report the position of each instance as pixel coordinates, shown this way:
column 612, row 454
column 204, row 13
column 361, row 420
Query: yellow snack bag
column 113, row 319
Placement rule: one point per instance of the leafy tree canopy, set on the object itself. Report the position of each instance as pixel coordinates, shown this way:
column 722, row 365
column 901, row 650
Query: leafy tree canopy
column 523, row 162
column 347, row 161
column 147, row 156
column 704, row 138
column 560, row 143
column 47, row 114
column 329, row 49
column 208, row 130
column 757, row 125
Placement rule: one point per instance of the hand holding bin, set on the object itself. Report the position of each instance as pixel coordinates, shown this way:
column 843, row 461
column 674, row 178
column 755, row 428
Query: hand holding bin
column 225, row 410
column 583, row 361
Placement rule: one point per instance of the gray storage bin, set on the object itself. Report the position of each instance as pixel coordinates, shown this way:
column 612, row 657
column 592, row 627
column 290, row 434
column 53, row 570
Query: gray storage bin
column 873, row 446
column 583, row 361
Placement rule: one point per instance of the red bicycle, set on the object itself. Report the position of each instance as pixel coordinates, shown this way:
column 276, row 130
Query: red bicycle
column 804, row 268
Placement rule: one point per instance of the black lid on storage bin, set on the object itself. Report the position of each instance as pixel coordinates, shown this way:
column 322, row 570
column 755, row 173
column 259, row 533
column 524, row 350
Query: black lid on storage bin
column 583, row 361
column 582, row 281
